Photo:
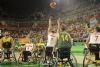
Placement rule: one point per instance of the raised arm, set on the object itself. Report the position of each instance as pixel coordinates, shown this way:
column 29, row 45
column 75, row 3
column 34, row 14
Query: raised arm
column 50, row 25
column 58, row 22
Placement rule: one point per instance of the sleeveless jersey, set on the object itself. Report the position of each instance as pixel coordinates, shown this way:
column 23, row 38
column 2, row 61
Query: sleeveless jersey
column 51, row 40
column 94, row 38
column 29, row 47
column 63, row 40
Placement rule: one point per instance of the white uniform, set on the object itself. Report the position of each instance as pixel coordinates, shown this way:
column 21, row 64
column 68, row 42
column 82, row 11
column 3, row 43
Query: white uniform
column 29, row 47
column 51, row 40
column 95, row 38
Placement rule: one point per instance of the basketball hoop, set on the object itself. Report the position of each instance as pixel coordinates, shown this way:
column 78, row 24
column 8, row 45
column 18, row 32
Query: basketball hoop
column 53, row 4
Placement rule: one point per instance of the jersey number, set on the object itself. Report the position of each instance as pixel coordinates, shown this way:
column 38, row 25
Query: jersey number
column 96, row 38
column 64, row 37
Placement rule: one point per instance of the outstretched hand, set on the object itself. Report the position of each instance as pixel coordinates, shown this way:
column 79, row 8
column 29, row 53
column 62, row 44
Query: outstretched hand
column 58, row 21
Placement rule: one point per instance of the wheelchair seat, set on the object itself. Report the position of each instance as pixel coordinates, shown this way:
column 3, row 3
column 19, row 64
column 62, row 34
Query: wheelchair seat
column 64, row 53
column 6, row 49
column 66, row 58
column 48, row 51
column 26, row 56
column 6, row 45
column 94, row 48
column 92, row 55
column 7, row 52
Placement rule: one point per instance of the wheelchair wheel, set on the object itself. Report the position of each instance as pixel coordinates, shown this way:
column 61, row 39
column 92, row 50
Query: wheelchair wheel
column 11, row 59
column 50, row 61
column 35, row 57
column 89, row 58
column 21, row 59
column 14, row 57
column 72, row 62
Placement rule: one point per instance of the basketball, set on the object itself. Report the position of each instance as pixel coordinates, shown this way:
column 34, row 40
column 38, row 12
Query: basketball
column 53, row 4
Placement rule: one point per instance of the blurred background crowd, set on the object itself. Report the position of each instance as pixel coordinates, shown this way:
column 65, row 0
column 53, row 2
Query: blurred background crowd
column 79, row 19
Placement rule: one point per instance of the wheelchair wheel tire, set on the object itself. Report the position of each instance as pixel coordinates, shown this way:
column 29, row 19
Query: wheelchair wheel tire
column 88, row 59
column 73, row 61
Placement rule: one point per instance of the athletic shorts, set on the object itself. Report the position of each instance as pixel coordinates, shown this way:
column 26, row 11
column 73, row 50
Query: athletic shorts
column 64, row 53
column 49, row 51
column 94, row 47
column 27, row 53
column 6, row 45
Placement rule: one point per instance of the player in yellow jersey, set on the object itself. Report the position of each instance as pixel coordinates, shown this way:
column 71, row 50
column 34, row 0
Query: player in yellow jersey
column 7, row 43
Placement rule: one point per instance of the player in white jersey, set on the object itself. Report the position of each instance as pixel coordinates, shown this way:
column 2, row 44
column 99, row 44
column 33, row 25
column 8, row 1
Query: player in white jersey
column 28, row 49
column 93, row 42
column 52, row 37
column 95, row 38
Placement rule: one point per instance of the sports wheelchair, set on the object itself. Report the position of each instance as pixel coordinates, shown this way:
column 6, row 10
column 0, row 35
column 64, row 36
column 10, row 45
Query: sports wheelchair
column 40, row 55
column 65, row 58
column 50, row 60
column 62, row 58
column 92, row 55
column 7, row 53
column 26, row 57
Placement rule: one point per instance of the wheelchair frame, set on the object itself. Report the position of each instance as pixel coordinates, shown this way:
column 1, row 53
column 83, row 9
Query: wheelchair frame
column 90, row 55
column 11, row 53
column 67, row 62
column 30, row 58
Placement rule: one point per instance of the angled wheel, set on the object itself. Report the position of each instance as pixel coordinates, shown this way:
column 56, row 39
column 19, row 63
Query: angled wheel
column 20, row 58
column 13, row 56
column 72, row 61
column 9, row 57
column 88, row 59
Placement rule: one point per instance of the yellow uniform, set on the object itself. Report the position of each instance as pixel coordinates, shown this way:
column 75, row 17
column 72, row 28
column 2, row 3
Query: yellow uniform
column 41, row 45
column 6, row 42
column 6, row 39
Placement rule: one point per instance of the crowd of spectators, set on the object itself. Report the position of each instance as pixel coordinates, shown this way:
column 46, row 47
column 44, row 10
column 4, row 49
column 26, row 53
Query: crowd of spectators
column 76, row 27
column 77, row 23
